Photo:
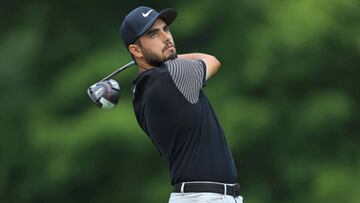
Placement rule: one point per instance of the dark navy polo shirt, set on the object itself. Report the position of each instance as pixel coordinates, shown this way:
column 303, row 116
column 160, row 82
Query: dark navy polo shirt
column 172, row 109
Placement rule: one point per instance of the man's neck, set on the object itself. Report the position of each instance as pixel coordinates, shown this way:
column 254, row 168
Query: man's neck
column 143, row 66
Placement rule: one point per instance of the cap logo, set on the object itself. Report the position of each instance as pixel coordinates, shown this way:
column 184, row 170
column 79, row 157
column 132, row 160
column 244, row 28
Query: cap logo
column 147, row 13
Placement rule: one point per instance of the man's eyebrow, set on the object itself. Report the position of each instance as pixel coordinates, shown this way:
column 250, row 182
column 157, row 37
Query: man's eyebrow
column 155, row 30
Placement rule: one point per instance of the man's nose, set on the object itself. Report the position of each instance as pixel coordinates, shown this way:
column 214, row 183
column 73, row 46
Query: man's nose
column 166, row 36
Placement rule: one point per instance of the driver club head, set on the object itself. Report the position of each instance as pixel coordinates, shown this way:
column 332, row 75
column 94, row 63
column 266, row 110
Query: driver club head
column 105, row 94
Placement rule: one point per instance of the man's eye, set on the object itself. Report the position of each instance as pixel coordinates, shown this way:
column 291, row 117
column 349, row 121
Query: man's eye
column 154, row 34
column 167, row 29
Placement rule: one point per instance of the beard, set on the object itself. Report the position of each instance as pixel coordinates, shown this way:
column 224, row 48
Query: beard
column 155, row 60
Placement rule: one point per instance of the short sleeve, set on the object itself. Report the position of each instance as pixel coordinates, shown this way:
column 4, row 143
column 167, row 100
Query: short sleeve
column 189, row 77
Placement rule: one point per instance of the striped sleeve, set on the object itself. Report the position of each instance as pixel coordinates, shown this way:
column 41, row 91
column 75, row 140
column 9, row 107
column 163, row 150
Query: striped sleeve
column 188, row 76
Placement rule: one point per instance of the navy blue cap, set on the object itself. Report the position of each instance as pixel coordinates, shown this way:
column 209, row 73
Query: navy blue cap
column 138, row 21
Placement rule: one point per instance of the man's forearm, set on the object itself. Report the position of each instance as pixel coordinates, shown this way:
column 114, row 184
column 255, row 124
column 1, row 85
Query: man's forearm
column 193, row 56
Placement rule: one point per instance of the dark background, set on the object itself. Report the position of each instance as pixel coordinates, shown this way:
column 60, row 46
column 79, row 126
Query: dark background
column 287, row 97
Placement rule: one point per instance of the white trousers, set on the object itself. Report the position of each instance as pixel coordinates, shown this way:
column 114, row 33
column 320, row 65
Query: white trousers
column 203, row 197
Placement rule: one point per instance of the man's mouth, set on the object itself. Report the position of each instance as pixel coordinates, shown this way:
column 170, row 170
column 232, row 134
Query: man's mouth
column 169, row 46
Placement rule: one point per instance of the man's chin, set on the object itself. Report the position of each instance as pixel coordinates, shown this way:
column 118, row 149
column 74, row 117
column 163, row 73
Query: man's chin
column 173, row 55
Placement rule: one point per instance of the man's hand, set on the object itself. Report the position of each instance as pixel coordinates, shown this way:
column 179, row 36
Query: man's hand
column 212, row 64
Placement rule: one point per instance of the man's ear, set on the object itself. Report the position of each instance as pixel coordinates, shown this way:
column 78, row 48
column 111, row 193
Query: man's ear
column 135, row 50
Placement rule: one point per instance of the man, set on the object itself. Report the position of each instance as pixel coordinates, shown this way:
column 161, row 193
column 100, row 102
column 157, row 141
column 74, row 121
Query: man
column 174, row 112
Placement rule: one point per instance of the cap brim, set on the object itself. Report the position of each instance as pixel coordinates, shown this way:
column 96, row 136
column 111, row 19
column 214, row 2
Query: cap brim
column 168, row 15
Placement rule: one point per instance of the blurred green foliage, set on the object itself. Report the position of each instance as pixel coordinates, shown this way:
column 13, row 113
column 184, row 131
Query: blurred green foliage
column 287, row 97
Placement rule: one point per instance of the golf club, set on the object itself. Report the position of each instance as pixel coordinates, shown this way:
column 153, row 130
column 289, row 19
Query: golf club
column 105, row 93
column 119, row 70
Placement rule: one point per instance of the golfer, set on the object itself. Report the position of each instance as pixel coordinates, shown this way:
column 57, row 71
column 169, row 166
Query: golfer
column 172, row 109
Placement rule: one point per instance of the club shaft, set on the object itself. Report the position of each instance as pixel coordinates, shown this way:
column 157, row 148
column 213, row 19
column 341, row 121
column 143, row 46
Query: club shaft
column 118, row 70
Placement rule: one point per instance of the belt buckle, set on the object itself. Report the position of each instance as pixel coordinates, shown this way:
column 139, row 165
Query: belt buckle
column 182, row 188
